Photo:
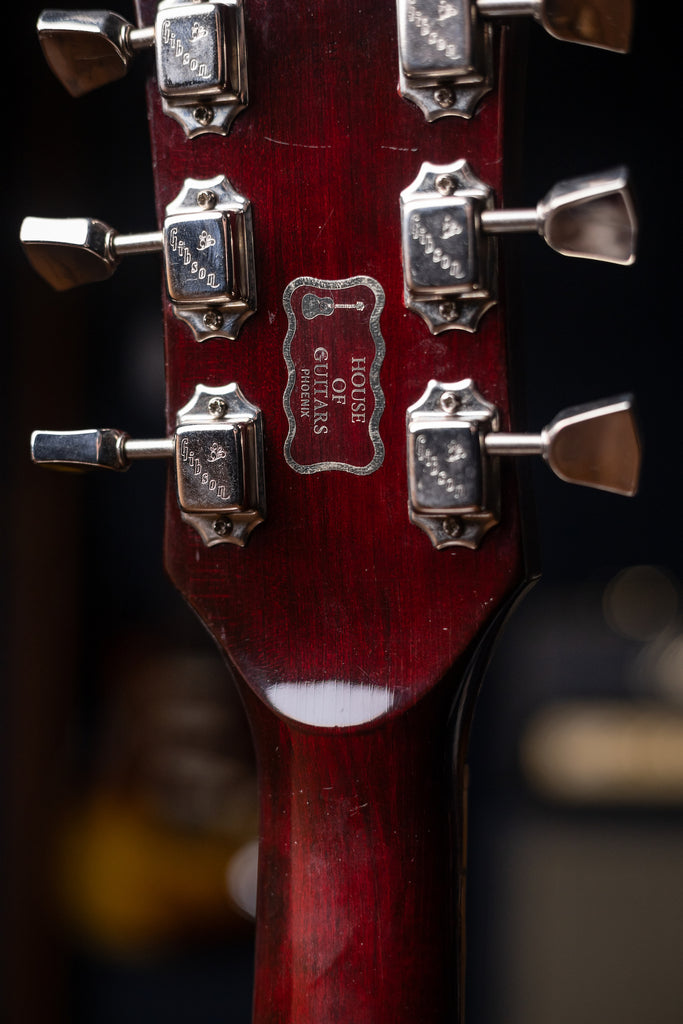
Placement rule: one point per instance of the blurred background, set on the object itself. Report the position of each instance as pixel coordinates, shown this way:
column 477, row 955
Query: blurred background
column 128, row 780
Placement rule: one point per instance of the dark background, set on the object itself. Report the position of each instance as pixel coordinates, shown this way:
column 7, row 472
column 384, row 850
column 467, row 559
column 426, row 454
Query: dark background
column 576, row 907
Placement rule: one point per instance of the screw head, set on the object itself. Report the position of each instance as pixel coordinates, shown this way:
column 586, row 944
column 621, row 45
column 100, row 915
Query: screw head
column 222, row 527
column 449, row 402
column 203, row 115
column 452, row 526
column 206, row 199
column 444, row 97
column 448, row 311
column 444, row 184
column 217, row 408
column 213, row 319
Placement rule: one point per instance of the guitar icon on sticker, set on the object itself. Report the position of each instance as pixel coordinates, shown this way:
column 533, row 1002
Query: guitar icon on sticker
column 324, row 305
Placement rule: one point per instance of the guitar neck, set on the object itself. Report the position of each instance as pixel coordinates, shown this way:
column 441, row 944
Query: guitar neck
column 362, row 855
column 361, row 871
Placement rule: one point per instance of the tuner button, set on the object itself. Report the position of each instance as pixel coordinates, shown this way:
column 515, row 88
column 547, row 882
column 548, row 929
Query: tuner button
column 69, row 252
column 450, row 260
column 217, row 450
column 591, row 217
column 207, row 242
column 85, row 49
column 596, row 445
column 200, row 51
column 607, row 24
column 453, row 437
column 446, row 50
column 80, row 449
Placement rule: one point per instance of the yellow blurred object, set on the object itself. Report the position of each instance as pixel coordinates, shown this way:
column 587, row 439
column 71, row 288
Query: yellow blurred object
column 132, row 882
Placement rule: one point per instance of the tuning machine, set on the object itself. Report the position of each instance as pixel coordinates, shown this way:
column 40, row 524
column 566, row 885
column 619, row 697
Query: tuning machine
column 200, row 56
column 446, row 47
column 454, row 440
column 448, row 221
column 217, row 449
column 207, row 244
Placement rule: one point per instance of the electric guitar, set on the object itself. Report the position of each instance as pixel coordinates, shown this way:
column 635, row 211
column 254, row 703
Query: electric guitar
column 331, row 185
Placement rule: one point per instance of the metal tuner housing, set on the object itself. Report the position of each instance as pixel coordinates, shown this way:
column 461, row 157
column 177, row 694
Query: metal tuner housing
column 200, row 55
column 449, row 226
column 454, row 443
column 217, row 451
column 446, row 46
column 207, row 245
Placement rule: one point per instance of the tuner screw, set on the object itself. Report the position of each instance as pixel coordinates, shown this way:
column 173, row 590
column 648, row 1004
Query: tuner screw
column 218, row 408
column 222, row 527
column 213, row 320
column 452, row 526
column 203, row 116
column 206, row 199
column 449, row 402
column 448, row 311
column 444, row 184
column 444, row 97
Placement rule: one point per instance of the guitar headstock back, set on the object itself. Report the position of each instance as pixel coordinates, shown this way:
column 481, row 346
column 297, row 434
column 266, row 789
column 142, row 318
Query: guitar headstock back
column 339, row 609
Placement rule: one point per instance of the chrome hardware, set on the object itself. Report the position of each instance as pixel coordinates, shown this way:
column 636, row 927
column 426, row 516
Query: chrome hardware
column 453, row 442
column 217, row 449
column 454, row 491
column 450, row 260
column 200, row 55
column 446, row 51
column 207, row 242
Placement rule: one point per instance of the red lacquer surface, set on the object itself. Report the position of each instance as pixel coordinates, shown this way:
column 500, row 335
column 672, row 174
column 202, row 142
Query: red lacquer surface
column 339, row 612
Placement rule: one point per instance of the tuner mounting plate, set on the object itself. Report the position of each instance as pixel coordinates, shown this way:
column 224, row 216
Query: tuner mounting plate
column 219, row 465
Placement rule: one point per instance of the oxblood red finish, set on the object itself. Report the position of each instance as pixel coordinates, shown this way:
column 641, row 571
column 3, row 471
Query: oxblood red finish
column 361, row 831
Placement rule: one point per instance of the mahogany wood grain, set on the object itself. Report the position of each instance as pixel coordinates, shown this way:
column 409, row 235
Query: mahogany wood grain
column 337, row 593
